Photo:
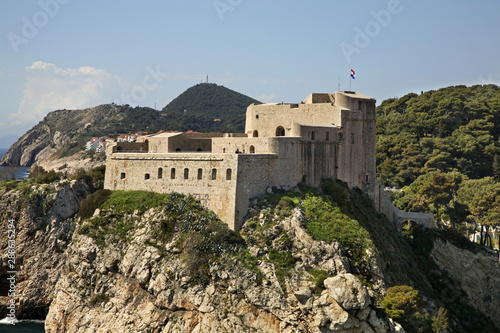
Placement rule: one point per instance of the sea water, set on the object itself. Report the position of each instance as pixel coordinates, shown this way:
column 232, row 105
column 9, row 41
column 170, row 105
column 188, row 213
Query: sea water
column 21, row 326
column 21, row 172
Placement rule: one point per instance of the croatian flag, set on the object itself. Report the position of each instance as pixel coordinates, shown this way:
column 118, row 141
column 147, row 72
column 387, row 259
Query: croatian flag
column 353, row 75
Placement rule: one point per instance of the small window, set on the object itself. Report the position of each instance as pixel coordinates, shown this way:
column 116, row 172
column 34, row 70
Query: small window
column 255, row 134
column 252, row 150
column 122, row 175
column 352, row 138
column 147, row 176
column 223, row 150
column 313, row 135
column 186, row 173
column 327, row 137
column 200, row 173
column 172, row 173
column 160, row 173
column 229, row 174
column 256, row 116
column 214, row 174
column 178, row 150
column 359, row 105
column 280, row 131
column 366, row 179
column 198, row 150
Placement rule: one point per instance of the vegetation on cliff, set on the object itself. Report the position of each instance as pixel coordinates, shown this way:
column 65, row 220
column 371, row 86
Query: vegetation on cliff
column 439, row 146
column 333, row 215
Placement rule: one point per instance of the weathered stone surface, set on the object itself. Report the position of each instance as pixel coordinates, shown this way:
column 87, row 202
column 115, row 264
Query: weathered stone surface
column 478, row 275
column 44, row 227
column 348, row 291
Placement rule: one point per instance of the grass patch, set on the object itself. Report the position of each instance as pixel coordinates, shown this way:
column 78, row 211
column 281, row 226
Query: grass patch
column 130, row 201
column 283, row 262
column 318, row 277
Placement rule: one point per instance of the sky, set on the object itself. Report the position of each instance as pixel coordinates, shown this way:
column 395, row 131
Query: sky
column 72, row 54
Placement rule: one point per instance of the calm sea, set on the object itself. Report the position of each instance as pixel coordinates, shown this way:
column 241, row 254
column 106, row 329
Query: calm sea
column 21, row 172
column 22, row 326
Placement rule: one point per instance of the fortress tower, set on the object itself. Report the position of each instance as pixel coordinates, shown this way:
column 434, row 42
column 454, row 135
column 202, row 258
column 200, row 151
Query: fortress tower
column 324, row 136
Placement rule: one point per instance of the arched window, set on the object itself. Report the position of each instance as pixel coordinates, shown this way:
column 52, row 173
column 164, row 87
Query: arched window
column 255, row 134
column 214, row 174
column 200, row 173
column 252, row 150
column 146, row 145
column 147, row 176
column 178, row 150
column 186, row 173
column 229, row 173
column 172, row 173
column 160, row 173
column 280, row 131
column 198, row 150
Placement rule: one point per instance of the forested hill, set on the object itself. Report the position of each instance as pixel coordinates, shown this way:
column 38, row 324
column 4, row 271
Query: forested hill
column 454, row 128
column 443, row 146
column 209, row 100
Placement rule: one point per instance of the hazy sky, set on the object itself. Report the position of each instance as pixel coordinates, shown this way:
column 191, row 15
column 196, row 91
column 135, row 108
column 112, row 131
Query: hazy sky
column 67, row 54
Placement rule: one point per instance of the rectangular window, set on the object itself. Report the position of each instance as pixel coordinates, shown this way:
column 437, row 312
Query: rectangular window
column 352, row 138
column 172, row 173
column 186, row 173
column 214, row 174
column 327, row 138
column 122, row 175
column 200, row 173
column 229, row 174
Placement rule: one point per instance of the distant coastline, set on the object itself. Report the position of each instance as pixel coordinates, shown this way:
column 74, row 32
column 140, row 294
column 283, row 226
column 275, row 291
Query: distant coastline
column 22, row 172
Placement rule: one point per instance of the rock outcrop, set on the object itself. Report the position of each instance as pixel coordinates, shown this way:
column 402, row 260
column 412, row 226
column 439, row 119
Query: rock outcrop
column 147, row 268
column 478, row 275
column 132, row 286
column 43, row 219
column 58, row 134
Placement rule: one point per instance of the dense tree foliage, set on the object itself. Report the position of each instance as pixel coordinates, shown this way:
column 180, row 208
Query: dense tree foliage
column 454, row 128
column 442, row 147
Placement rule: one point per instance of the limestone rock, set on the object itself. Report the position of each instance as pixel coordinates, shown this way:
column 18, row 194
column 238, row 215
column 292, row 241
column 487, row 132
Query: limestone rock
column 348, row 291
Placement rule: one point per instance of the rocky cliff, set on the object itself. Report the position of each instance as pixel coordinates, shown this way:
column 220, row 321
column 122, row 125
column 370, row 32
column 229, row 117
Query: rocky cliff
column 305, row 261
column 54, row 141
column 43, row 219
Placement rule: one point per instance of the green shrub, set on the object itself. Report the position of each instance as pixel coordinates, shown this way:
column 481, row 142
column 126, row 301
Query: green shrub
column 318, row 277
column 283, row 262
column 326, row 222
column 98, row 298
column 92, row 202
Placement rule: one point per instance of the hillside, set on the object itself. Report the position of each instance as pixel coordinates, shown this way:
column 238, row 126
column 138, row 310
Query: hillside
column 442, row 147
column 307, row 260
column 63, row 133
column 212, row 101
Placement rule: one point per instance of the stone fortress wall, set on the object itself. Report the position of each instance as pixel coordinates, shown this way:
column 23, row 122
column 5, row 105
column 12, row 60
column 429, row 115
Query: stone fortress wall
column 325, row 136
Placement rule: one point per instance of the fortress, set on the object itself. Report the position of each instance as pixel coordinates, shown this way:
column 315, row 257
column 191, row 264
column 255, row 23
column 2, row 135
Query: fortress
column 324, row 136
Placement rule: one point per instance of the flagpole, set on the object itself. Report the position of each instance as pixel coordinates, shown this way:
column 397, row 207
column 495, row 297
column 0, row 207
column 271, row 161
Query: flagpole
column 350, row 80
